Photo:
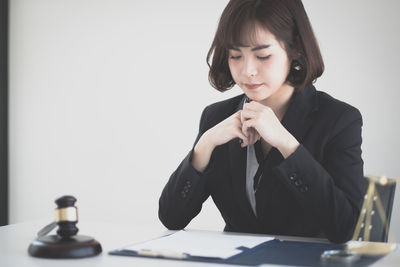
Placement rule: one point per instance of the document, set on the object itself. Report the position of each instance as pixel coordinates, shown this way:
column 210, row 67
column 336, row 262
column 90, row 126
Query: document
column 198, row 244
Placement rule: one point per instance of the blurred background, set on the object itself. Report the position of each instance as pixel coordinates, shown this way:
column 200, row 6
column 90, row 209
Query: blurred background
column 105, row 97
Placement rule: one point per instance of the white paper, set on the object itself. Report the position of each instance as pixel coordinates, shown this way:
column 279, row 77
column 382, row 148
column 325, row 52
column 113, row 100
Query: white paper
column 203, row 244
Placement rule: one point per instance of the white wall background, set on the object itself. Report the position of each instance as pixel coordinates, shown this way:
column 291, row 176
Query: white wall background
column 106, row 95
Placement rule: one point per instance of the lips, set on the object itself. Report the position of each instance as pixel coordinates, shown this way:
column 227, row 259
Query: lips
column 252, row 86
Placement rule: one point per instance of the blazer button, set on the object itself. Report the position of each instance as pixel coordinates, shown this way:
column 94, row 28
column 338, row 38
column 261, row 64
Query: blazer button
column 185, row 189
column 293, row 176
column 298, row 182
column 304, row 189
column 183, row 194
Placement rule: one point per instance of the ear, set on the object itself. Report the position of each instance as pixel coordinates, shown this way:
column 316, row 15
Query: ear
column 297, row 55
column 298, row 67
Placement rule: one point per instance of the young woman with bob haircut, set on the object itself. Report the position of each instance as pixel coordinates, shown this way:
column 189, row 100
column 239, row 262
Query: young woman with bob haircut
column 282, row 158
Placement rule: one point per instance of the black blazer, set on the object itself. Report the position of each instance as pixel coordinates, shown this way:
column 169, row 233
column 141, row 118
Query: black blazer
column 317, row 191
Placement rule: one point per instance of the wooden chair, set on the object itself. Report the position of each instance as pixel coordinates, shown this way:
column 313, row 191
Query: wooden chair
column 374, row 221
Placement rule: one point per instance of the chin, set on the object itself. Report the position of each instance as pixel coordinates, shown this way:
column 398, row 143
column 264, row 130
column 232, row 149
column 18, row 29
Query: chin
column 257, row 96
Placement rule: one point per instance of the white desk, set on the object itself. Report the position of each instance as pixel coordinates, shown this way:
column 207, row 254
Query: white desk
column 15, row 239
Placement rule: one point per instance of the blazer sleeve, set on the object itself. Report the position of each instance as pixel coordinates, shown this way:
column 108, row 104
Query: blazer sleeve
column 332, row 189
column 183, row 195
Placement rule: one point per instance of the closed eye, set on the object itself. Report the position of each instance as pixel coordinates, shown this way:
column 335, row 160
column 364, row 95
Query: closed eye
column 235, row 57
column 264, row 58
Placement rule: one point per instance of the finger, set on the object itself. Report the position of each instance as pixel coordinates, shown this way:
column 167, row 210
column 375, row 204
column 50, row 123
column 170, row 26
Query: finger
column 254, row 106
column 239, row 122
column 236, row 115
column 245, row 129
column 242, row 119
column 242, row 137
column 247, row 114
column 250, row 106
column 246, row 126
column 244, row 144
column 256, row 137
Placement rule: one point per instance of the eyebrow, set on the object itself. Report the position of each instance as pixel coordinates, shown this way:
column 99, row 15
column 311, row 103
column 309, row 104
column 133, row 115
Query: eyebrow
column 256, row 48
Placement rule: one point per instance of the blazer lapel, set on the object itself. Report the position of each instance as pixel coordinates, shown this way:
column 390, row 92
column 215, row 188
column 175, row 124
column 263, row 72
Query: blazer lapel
column 297, row 119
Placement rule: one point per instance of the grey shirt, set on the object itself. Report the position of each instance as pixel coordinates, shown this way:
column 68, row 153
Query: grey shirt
column 251, row 169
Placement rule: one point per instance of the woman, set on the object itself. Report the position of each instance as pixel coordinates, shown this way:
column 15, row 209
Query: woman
column 282, row 158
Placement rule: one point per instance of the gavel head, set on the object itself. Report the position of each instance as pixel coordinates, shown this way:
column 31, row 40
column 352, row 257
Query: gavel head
column 66, row 216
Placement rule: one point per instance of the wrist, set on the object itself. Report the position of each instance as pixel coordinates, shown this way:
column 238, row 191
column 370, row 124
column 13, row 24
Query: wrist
column 206, row 140
column 204, row 145
column 202, row 153
column 288, row 145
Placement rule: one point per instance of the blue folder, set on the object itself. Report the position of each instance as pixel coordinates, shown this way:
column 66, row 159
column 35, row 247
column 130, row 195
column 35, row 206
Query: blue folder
column 291, row 253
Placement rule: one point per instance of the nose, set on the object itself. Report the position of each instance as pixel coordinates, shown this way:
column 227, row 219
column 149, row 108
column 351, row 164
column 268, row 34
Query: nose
column 249, row 68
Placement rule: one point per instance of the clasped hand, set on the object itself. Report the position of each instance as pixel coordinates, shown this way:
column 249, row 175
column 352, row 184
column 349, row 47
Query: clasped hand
column 253, row 122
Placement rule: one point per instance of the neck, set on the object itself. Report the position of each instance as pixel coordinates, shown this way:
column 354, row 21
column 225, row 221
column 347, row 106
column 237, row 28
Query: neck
column 279, row 102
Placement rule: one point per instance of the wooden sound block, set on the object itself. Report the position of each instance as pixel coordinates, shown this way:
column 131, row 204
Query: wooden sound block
column 54, row 246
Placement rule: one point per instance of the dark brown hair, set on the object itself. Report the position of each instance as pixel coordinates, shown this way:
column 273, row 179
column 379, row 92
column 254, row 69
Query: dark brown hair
column 285, row 19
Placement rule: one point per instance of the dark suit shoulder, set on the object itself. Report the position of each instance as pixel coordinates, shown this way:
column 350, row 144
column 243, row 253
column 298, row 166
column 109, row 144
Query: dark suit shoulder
column 335, row 107
column 337, row 115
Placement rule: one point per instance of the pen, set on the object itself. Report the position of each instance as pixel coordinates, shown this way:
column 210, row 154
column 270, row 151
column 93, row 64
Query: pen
column 246, row 100
column 169, row 255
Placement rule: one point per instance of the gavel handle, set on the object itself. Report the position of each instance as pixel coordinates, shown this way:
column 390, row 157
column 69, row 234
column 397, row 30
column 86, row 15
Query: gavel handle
column 47, row 229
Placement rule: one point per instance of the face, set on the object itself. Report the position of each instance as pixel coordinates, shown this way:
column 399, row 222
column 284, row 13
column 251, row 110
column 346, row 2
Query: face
column 261, row 69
